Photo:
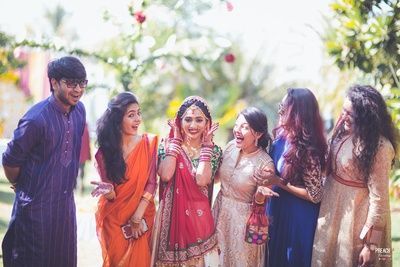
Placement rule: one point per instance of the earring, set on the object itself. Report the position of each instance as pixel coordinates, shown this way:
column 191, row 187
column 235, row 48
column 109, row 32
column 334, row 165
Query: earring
column 256, row 142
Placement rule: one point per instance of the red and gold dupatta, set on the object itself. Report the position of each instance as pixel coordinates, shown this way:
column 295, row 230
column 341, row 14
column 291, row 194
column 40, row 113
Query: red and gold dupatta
column 187, row 227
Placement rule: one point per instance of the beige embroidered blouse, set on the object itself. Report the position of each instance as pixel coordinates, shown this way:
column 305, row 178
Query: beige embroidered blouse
column 236, row 172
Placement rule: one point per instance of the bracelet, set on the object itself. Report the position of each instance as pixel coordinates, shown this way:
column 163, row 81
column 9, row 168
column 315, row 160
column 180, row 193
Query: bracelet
column 174, row 147
column 145, row 199
column 205, row 154
column 209, row 146
column 259, row 203
column 135, row 226
column 135, row 222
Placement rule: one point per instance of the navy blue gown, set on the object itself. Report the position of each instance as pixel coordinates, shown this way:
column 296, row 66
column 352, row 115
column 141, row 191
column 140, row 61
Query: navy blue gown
column 292, row 222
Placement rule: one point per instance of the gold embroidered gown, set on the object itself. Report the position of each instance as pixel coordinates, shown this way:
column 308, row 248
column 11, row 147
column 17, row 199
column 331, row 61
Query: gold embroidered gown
column 232, row 207
column 350, row 205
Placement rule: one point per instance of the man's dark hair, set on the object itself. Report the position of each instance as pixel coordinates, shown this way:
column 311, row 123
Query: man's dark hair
column 66, row 67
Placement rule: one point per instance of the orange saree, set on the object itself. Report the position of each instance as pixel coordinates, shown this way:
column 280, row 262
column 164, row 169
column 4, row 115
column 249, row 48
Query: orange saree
column 141, row 168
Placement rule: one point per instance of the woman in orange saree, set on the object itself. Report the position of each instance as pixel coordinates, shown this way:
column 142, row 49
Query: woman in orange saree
column 127, row 166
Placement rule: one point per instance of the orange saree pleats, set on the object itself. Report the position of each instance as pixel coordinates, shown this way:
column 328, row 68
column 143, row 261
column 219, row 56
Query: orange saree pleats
column 116, row 250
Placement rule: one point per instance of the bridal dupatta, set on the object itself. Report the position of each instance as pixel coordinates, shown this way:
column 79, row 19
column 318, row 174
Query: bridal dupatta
column 141, row 168
column 186, row 231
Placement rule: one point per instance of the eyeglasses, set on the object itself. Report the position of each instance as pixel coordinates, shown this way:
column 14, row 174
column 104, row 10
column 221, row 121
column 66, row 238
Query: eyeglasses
column 281, row 109
column 72, row 83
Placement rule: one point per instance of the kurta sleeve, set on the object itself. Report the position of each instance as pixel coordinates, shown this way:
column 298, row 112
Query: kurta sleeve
column 151, row 185
column 26, row 136
column 313, row 180
column 378, row 187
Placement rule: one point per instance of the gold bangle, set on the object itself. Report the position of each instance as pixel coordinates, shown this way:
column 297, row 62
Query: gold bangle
column 147, row 196
column 135, row 225
column 135, row 222
column 259, row 203
column 145, row 200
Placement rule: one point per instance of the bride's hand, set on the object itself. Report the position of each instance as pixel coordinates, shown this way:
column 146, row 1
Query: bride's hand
column 209, row 134
column 175, row 129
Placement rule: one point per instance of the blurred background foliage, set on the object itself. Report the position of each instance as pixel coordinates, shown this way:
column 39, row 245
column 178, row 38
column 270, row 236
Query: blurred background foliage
column 364, row 38
column 165, row 54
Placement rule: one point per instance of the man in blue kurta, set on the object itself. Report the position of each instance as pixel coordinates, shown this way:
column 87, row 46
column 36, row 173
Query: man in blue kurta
column 41, row 162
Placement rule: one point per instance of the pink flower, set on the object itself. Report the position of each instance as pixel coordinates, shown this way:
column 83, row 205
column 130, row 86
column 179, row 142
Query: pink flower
column 229, row 6
column 229, row 58
column 139, row 16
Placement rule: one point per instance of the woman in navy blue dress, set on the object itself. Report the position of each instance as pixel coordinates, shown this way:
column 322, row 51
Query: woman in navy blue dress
column 298, row 152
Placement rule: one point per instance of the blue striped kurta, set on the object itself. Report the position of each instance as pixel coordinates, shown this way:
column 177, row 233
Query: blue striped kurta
column 46, row 146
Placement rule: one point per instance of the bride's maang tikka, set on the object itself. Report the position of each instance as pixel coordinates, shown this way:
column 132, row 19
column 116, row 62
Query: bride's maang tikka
column 194, row 107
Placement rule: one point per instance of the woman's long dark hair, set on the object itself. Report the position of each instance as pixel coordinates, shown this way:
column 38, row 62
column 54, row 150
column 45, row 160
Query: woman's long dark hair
column 302, row 127
column 258, row 122
column 371, row 120
column 109, row 135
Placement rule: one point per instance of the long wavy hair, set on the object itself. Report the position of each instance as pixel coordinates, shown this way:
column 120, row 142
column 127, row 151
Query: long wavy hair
column 371, row 120
column 302, row 127
column 109, row 135
column 258, row 122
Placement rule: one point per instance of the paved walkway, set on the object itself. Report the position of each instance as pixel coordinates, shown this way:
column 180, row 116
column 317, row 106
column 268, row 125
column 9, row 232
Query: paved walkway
column 89, row 251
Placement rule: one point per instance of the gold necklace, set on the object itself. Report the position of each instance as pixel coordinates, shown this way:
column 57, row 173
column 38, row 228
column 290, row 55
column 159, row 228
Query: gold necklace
column 191, row 151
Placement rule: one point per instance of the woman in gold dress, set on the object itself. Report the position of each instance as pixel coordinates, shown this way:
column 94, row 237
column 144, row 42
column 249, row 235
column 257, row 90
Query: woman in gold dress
column 354, row 218
column 242, row 159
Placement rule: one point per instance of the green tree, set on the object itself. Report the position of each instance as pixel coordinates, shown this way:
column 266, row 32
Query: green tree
column 164, row 54
column 365, row 35
column 8, row 62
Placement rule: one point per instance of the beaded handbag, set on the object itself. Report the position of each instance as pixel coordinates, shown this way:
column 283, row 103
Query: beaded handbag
column 257, row 225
